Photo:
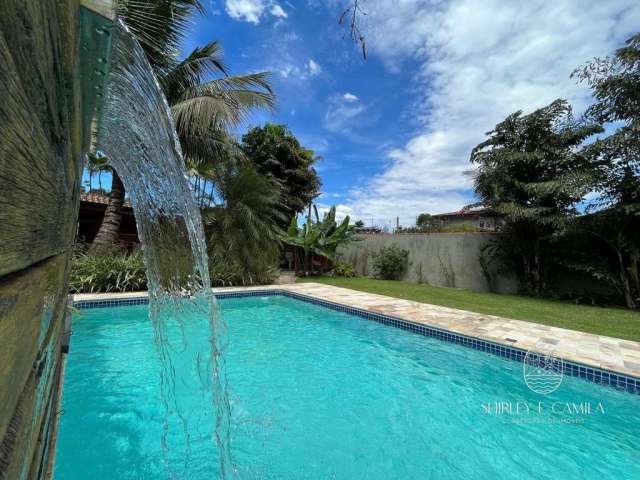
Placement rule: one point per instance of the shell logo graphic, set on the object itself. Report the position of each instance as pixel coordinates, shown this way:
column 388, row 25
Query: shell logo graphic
column 543, row 370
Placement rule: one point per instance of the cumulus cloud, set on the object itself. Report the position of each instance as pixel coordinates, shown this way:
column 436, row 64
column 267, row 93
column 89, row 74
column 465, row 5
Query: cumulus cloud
column 479, row 61
column 252, row 11
column 349, row 97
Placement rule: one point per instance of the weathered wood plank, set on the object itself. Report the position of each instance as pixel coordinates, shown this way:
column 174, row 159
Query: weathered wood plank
column 16, row 434
column 45, row 96
column 44, row 419
column 39, row 139
column 25, row 441
column 31, row 305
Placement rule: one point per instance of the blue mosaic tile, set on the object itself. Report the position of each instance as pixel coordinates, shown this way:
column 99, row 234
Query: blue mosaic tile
column 590, row 374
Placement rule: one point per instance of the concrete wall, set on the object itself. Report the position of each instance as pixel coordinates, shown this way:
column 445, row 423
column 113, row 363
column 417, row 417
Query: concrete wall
column 441, row 259
column 43, row 134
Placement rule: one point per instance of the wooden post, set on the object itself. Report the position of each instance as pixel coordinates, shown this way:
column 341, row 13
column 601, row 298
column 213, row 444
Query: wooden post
column 106, row 8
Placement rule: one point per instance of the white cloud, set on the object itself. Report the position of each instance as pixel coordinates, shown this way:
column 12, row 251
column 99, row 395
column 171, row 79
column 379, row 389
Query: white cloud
column 277, row 11
column 479, row 61
column 252, row 11
column 313, row 67
column 349, row 97
column 287, row 70
column 341, row 211
column 341, row 113
column 294, row 72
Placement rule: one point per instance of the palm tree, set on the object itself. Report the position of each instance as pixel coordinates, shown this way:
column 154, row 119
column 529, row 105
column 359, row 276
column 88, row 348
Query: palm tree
column 203, row 110
column 242, row 230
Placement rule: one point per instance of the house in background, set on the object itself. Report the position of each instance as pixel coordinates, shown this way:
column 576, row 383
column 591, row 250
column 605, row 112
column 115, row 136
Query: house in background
column 92, row 207
column 482, row 218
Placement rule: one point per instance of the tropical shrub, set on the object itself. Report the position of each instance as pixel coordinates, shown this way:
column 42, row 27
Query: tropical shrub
column 226, row 272
column 243, row 237
column 321, row 238
column 602, row 251
column 343, row 269
column 111, row 271
column 390, row 262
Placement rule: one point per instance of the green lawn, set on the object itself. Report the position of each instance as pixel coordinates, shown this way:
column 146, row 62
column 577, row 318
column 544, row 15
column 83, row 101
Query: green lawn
column 613, row 322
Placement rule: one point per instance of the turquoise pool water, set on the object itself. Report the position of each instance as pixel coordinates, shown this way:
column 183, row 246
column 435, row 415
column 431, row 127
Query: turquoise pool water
column 318, row 394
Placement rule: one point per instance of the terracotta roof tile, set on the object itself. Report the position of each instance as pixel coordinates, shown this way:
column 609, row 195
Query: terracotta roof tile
column 99, row 199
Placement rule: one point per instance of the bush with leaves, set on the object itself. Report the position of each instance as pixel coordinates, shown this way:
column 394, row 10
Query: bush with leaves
column 242, row 232
column 226, row 271
column 343, row 269
column 111, row 271
column 390, row 262
column 321, row 238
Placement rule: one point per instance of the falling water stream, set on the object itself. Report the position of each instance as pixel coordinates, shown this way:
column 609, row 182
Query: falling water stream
column 137, row 134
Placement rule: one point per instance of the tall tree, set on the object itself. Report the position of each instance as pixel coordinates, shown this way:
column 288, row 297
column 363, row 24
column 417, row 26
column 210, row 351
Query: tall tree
column 242, row 230
column 425, row 221
column 530, row 171
column 277, row 152
column 615, row 83
column 203, row 109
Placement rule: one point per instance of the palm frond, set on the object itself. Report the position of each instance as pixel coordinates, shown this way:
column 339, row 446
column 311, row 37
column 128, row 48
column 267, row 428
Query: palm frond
column 222, row 103
column 212, row 147
column 159, row 26
column 203, row 61
column 242, row 235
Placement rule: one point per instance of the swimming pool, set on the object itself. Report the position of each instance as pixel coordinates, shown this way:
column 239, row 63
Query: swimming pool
column 323, row 394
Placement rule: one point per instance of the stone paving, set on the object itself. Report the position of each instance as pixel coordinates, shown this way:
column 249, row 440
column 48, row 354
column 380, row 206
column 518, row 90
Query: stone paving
column 622, row 356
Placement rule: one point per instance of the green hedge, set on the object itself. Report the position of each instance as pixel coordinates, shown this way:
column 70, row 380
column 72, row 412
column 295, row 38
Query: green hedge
column 109, row 272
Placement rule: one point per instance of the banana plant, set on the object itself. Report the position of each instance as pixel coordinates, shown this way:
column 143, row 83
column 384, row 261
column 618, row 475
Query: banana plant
column 322, row 237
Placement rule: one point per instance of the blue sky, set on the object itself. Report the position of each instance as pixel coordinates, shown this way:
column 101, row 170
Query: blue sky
column 395, row 131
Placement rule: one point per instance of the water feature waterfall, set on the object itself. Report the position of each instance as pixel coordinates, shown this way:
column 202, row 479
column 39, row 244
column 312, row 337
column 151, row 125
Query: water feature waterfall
column 137, row 134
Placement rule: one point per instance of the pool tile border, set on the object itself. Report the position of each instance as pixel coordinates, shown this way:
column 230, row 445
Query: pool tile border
column 592, row 374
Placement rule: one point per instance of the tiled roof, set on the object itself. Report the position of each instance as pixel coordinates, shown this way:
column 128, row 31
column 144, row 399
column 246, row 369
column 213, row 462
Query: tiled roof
column 99, row 199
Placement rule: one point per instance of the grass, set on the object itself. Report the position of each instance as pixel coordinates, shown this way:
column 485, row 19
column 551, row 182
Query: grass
column 612, row 322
